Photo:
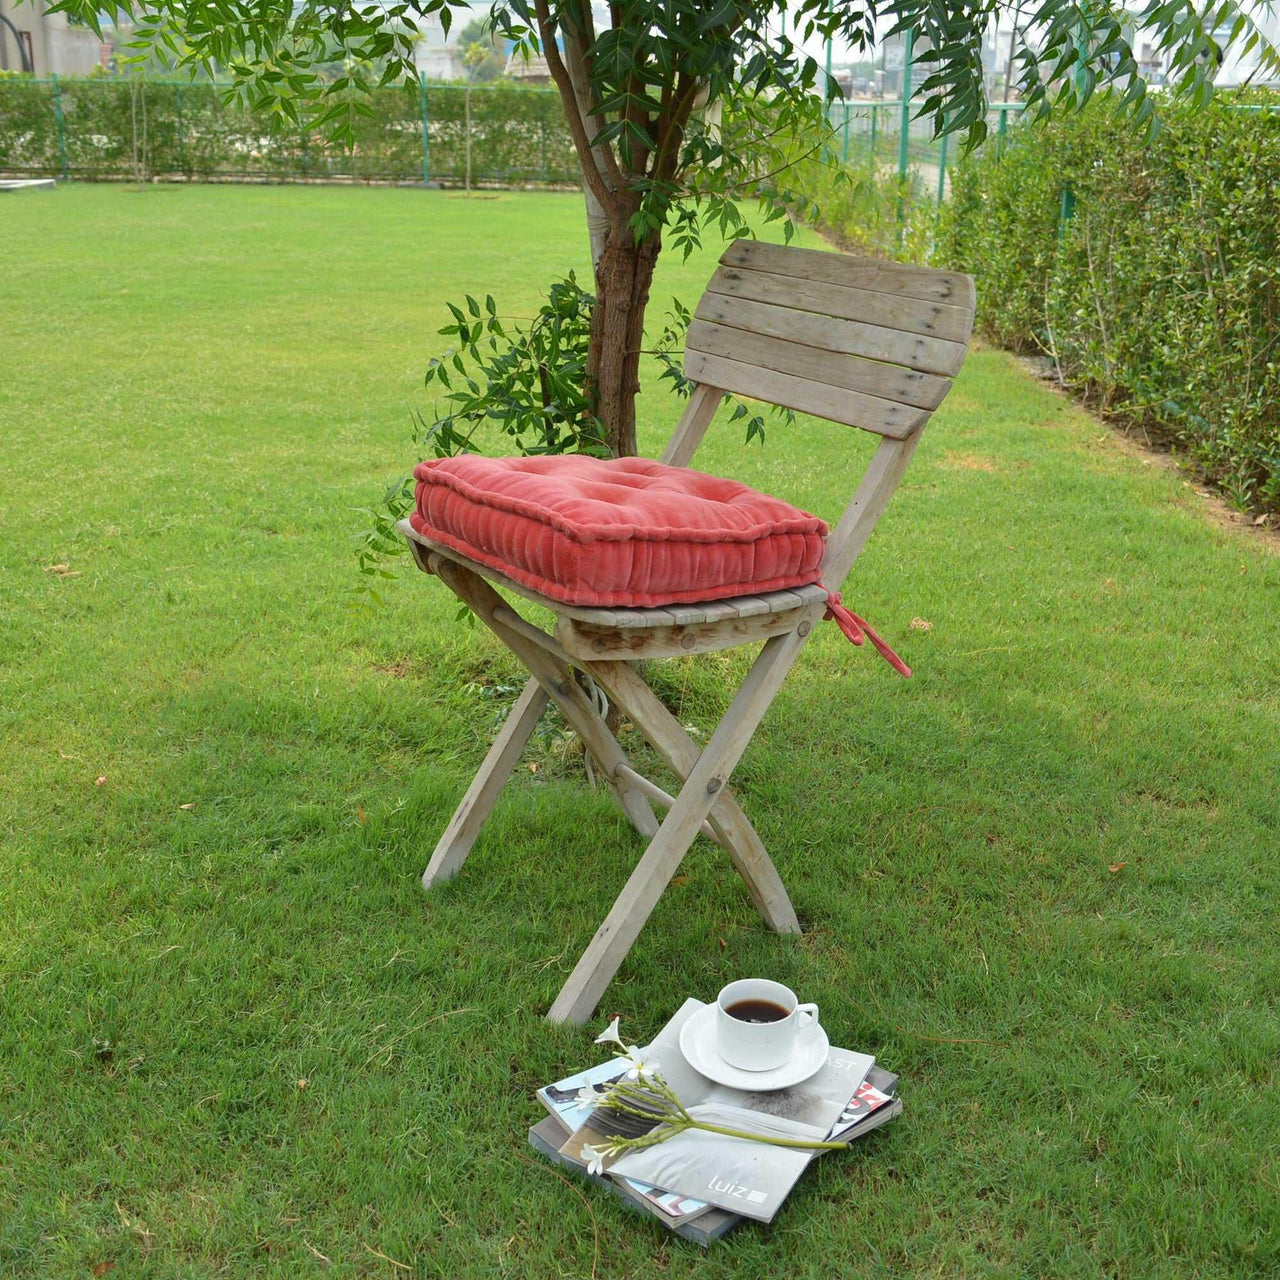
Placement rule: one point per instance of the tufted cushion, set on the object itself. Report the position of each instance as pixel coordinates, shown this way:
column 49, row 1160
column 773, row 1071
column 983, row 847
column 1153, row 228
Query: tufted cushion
column 628, row 531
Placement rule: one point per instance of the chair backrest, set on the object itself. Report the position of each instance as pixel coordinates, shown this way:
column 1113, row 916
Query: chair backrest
column 867, row 343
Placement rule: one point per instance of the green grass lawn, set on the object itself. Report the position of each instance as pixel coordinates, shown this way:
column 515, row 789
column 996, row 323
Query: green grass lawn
column 1039, row 879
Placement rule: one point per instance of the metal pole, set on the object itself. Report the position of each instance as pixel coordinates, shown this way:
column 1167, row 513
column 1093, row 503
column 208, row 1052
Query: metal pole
column 826, row 90
column 466, row 99
column 182, row 152
column 1002, row 130
column 875, row 115
column 1068, row 210
column 1081, row 74
column 942, row 167
column 426, row 145
column 908, row 48
column 62, row 128
column 844, row 154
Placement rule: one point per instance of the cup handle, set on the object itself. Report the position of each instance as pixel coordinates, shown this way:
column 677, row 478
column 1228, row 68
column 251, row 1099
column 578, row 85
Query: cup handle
column 809, row 1012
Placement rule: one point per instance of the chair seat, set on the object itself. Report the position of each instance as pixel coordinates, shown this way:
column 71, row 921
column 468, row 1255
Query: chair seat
column 683, row 615
column 625, row 534
column 590, row 619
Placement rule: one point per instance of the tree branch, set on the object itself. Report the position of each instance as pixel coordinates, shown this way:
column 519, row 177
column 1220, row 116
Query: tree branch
column 666, row 161
column 635, row 153
column 666, row 158
column 591, row 173
column 578, row 41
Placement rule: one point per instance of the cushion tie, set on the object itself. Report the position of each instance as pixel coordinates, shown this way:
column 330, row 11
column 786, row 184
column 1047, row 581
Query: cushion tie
column 855, row 628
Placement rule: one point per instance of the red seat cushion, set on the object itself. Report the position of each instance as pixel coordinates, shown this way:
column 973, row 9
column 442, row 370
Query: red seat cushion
column 628, row 531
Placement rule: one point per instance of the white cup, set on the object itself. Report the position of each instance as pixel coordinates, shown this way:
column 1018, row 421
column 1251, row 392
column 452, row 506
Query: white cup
column 760, row 1046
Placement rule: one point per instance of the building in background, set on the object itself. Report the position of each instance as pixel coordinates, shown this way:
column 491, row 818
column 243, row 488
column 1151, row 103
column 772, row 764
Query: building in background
column 437, row 55
column 44, row 43
column 1003, row 40
column 530, row 69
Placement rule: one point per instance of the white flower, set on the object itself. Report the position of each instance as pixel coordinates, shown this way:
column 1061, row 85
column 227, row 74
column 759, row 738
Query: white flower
column 587, row 1096
column 594, row 1159
column 630, row 1053
column 639, row 1065
column 610, row 1035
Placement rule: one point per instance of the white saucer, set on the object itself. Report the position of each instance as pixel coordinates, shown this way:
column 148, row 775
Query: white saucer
column 698, row 1044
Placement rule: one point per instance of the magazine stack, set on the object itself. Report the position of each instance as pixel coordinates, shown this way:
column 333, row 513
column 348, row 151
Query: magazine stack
column 700, row 1183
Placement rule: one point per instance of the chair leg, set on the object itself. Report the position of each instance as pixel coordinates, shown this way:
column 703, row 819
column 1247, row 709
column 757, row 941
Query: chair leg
column 732, row 828
column 609, row 947
column 451, row 852
column 559, row 685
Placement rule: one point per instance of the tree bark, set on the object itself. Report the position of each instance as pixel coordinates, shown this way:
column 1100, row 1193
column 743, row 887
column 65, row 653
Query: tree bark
column 623, row 268
column 623, row 276
column 575, row 65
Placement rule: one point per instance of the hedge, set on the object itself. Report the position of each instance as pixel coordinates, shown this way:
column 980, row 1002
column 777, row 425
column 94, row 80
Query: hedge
column 870, row 210
column 1154, row 282
column 518, row 135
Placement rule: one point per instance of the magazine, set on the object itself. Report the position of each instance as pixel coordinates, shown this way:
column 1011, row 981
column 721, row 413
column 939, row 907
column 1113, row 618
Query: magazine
column 562, row 1099
column 877, row 1091
column 745, row 1177
column 547, row 1137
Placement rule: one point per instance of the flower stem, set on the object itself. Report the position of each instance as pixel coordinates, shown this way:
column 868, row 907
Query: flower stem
column 776, row 1142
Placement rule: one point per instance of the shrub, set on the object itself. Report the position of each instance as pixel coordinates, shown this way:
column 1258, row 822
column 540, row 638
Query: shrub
column 869, row 212
column 1154, row 286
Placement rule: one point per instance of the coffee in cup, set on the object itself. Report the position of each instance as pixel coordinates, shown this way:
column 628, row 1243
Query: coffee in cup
column 758, row 1023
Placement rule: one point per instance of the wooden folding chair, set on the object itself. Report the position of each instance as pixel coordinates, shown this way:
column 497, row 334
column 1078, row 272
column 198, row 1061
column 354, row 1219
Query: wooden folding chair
column 862, row 342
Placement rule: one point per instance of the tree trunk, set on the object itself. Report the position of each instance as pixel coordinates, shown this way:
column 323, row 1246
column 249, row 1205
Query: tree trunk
column 623, row 268
column 623, row 276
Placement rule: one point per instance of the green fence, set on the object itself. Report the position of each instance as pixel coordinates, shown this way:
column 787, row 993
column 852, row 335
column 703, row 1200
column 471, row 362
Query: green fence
column 116, row 128
column 868, row 140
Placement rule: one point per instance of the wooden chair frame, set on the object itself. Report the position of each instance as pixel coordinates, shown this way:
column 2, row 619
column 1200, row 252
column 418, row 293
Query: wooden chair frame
column 854, row 340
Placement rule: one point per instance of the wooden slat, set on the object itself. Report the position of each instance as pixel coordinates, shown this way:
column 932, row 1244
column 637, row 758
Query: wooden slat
column 582, row 640
column 697, row 415
column 858, row 273
column 750, row 606
column 687, row 614
column 454, row 845
column 711, row 611
column 718, row 609
column 814, row 592
column 884, row 417
column 890, row 311
column 780, row 601
column 836, row 368
column 618, row 617
column 831, row 333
